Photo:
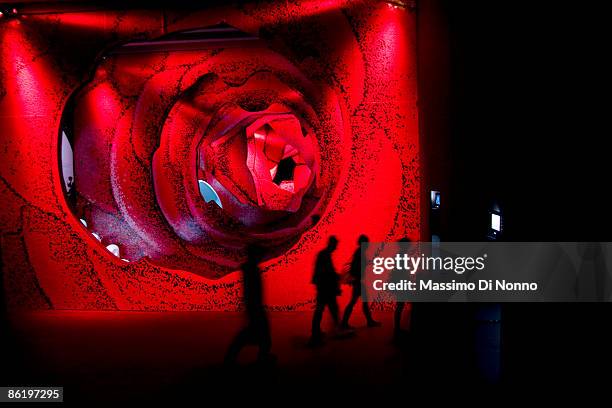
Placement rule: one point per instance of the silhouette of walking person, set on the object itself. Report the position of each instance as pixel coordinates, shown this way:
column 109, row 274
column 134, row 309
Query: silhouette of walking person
column 71, row 192
column 356, row 283
column 397, row 276
column 327, row 283
column 257, row 330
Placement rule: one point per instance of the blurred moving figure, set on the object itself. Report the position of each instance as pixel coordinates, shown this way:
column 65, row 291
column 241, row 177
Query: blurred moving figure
column 257, row 330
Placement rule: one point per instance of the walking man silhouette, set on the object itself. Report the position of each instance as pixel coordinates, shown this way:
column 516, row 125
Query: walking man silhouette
column 356, row 282
column 327, row 283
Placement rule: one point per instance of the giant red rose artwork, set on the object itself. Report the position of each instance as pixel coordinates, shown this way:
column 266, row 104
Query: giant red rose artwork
column 193, row 134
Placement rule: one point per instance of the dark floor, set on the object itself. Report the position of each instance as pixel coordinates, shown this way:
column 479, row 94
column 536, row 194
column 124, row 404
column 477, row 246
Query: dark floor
column 114, row 356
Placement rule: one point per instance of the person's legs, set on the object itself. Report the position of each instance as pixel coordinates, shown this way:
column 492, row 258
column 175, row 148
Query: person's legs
column 316, row 318
column 366, row 310
column 242, row 339
column 349, row 308
column 333, row 309
column 397, row 317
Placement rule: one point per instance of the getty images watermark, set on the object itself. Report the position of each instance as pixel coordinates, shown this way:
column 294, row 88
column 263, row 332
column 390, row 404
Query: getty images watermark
column 487, row 271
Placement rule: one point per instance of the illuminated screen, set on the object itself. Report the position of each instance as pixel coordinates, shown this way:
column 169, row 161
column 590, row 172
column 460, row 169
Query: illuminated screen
column 435, row 199
column 496, row 222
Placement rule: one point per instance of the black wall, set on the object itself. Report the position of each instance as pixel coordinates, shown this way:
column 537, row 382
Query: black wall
column 512, row 111
column 526, row 125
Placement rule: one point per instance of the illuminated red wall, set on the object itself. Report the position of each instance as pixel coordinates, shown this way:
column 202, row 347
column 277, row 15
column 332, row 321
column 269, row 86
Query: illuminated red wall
column 348, row 68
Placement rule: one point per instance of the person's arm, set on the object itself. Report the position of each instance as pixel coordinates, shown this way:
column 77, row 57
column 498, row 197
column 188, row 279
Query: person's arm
column 356, row 264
